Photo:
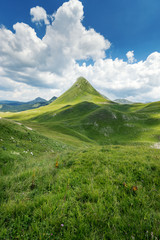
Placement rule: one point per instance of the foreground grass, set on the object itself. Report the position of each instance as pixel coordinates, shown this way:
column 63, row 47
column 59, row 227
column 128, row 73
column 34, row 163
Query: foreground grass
column 109, row 192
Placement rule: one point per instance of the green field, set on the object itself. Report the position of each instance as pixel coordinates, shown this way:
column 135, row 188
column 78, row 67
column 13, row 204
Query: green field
column 82, row 167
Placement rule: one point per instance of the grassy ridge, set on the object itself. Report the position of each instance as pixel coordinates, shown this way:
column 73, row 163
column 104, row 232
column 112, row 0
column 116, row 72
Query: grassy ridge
column 81, row 90
column 105, row 123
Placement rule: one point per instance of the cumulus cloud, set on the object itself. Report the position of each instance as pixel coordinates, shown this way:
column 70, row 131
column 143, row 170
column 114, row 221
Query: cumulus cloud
column 130, row 56
column 68, row 40
column 39, row 14
column 118, row 79
column 30, row 65
column 40, row 62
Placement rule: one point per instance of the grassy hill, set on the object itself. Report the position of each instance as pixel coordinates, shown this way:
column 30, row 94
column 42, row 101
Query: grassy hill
column 81, row 168
column 81, row 90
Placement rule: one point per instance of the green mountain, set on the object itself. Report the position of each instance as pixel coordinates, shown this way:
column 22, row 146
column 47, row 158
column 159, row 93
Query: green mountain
column 81, row 91
column 80, row 168
column 83, row 113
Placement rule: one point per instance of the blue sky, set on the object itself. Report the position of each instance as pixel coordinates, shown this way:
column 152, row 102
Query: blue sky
column 129, row 26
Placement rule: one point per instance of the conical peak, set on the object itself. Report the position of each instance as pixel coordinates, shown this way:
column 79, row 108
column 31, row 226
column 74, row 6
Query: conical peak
column 81, row 82
column 80, row 91
column 82, row 86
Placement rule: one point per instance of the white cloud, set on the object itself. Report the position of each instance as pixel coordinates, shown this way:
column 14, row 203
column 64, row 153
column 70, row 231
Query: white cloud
column 68, row 40
column 24, row 92
column 118, row 79
column 31, row 66
column 20, row 49
column 130, row 56
column 40, row 62
column 39, row 14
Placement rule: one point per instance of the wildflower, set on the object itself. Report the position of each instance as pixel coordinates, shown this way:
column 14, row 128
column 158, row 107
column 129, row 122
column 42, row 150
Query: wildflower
column 152, row 235
column 33, row 176
column 57, row 164
column 124, row 184
column 62, row 225
column 29, row 128
column 51, row 234
column 134, row 188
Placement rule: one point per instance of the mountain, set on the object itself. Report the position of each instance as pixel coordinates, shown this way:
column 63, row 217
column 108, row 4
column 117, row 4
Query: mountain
column 83, row 113
column 15, row 106
column 81, row 167
column 52, row 99
column 122, row 101
column 37, row 100
column 105, row 96
column 81, row 91
column 10, row 102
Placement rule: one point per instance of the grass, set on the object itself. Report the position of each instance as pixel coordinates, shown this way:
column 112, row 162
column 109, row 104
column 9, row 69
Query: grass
column 102, row 123
column 89, row 196
column 81, row 90
column 81, row 170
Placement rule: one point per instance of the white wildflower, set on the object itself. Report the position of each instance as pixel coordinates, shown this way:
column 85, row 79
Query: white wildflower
column 29, row 128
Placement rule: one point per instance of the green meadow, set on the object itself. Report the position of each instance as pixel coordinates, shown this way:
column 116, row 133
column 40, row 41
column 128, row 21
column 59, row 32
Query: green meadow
column 81, row 168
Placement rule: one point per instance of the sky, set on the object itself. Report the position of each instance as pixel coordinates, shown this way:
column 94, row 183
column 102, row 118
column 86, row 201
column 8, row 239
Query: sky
column 46, row 45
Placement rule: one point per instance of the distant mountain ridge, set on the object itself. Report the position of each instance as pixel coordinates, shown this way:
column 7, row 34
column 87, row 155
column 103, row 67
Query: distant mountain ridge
column 123, row 101
column 10, row 102
column 52, row 99
column 15, row 106
column 38, row 100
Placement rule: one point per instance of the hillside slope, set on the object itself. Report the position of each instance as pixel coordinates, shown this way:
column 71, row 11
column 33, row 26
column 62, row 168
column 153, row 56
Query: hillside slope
column 83, row 113
column 81, row 171
column 49, row 190
column 81, row 90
